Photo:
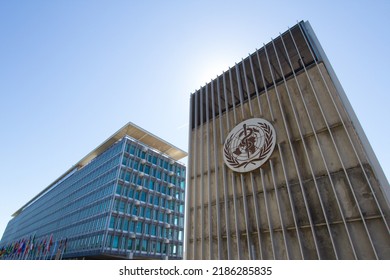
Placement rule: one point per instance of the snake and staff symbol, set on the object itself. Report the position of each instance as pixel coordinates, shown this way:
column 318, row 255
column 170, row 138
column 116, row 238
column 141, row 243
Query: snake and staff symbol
column 249, row 145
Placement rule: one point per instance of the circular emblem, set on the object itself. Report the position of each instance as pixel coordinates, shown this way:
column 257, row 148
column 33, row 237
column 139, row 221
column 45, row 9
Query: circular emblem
column 249, row 145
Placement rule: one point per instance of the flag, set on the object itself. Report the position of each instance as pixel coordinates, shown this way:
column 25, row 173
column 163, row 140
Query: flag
column 54, row 249
column 22, row 247
column 49, row 243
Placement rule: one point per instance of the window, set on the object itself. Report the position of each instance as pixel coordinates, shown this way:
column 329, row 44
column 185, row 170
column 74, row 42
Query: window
column 122, row 206
column 147, row 228
column 148, row 212
column 112, row 222
column 151, row 184
column 143, row 196
column 155, row 213
column 130, row 244
column 158, row 249
column 122, row 174
column 153, row 230
column 119, row 223
column 124, row 160
column 116, row 205
column 119, row 189
column 144, row 245
column 108, row 241
column 123, row 243
column 126, row 225
column 115, row 242
column 127, row 176
column 124, row 191
column 176, row 221
column 132, row 226
column 139, row 227
column 131, row 193
column 132, row 150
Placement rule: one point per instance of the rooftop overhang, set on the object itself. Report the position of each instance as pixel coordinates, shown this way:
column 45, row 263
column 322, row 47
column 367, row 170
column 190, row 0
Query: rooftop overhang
column 138, row 134
column 129, row 129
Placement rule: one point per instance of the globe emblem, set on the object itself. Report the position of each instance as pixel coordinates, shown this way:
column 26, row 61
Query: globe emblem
column 249, row 145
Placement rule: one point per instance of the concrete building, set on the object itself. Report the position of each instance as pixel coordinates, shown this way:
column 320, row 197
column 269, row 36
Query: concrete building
column 279, row 166
column 124, row 200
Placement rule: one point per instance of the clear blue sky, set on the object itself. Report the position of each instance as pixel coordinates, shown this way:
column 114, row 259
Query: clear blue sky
column 73, row 72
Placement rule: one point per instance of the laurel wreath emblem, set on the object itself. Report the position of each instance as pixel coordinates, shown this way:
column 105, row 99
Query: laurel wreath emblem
column 264, row 150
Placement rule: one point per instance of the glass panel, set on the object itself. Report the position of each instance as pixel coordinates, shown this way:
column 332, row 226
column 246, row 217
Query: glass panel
column 144, row 245
column 112, row 222
column 148, row 213
column 143, row 196
column 119, row 189
column 130, row 244
column 115, row 242
column 126, row 225
column 139, row 227
column 122, row 206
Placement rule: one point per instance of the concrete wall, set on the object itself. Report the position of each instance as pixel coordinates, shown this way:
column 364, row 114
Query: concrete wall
column 317, row 196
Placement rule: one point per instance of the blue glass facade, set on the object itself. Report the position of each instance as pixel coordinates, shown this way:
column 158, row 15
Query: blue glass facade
column 128, row 202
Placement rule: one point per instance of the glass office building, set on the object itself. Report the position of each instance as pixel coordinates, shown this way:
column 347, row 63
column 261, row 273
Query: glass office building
column 123, row 200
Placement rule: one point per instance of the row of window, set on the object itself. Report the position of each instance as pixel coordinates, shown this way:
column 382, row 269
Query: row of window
column 146, row 228
column 126, row 224
column 128, row 175
column 94, row 175
column 153, row 158
column 89, row 211
column 145, row 246
column 137, row 210
column 151, row 184
column 48, row 220
column 88, row 242
column 111, row 152
column 125, row 244
column 155, row 199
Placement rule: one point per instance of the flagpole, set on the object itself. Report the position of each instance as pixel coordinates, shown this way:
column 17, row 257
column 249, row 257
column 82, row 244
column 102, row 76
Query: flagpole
column 63, row 250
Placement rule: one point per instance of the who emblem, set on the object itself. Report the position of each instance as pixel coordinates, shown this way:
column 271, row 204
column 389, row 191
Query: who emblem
column 249, row 145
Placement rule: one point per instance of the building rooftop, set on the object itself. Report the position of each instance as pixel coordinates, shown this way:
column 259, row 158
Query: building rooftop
column 129, row 129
